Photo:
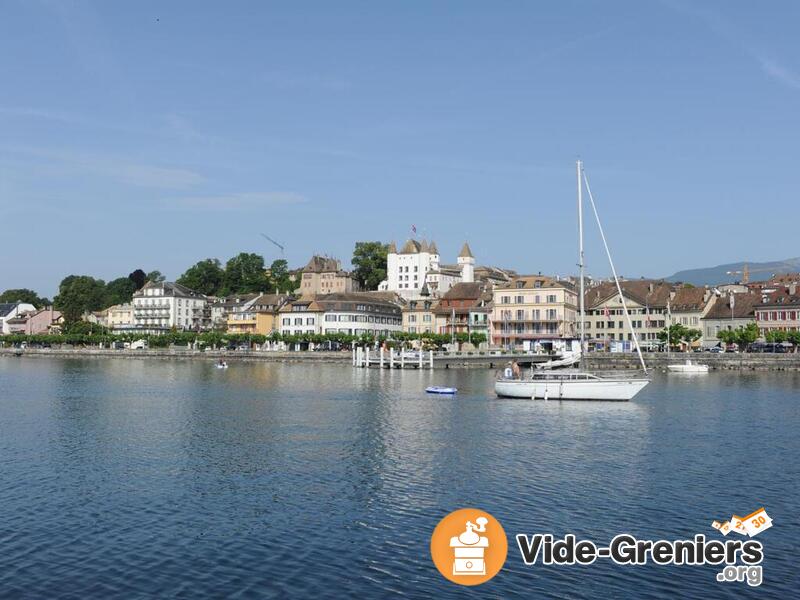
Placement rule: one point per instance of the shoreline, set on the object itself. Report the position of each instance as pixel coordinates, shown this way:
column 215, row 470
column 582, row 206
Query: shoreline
column 595, row 361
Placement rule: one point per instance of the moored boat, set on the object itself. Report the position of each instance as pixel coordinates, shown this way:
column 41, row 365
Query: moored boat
column 579, row 384
column 688, row 367
column 435, row 389
column 570, row 385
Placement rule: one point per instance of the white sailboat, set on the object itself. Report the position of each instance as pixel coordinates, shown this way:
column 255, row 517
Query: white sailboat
column 578, row 384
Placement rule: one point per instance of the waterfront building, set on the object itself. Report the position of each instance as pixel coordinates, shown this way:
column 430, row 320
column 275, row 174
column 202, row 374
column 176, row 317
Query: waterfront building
column 605, row 322
column 533, row 308
column 259, row 315
column 120, row 316
column 778, row 310
column 688, row 306
column 324, row 275
column 11, row 310
column 464, row 308
column 222, row 308
column 418, row 315
column 159, row 307
column 96, row 317
column 43, row 321
column 356, row 313
column 730, row 311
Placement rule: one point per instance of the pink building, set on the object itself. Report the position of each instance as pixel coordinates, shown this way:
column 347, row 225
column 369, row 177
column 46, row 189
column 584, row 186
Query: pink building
column 42, row 321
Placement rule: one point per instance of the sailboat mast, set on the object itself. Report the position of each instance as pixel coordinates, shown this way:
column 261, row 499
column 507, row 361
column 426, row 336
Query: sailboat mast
column 582, row 322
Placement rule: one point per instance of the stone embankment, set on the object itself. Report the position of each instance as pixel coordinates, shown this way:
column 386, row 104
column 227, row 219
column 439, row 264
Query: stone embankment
column 726, row 361
column 178, row 354
column 594, row 361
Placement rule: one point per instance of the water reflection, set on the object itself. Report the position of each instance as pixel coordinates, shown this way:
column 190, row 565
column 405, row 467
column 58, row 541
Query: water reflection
column 149, row 478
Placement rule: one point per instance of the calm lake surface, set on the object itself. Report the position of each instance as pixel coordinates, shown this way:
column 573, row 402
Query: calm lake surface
column 147, row 478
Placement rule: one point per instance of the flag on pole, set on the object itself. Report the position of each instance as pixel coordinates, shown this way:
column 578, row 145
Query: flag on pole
column 414, row 229
column 607, row 313
column 647, row 315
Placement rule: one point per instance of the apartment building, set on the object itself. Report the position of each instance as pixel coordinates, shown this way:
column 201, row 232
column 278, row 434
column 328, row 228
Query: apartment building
column 688, row 306
column 356, row 313
column 729, row 312
column 647, row 306
column 778, row 310
column 464, row 308
column 257, row 316
column 159, row 307
column 532, row 308
column 11, row 310
column 418, row 315
column 120, row 316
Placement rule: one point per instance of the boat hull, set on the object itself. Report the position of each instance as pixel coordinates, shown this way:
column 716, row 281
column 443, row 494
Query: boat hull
column 688, row 368
column 619, row 390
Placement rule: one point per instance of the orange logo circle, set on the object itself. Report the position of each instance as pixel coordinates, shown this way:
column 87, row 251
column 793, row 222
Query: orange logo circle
column 469, row 546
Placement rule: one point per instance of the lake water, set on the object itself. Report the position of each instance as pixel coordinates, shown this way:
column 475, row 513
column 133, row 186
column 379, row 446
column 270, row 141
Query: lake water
column 147, row 478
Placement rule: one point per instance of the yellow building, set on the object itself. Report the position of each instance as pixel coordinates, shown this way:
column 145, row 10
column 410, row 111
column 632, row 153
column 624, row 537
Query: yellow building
column 419, row 317
column 258, row 316
column 533, row 308
column 120, row 316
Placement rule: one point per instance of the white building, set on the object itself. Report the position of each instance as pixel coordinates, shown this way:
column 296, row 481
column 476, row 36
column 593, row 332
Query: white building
column 11, row 310
column 416, row 271
column 159, row 307
column 356, row 313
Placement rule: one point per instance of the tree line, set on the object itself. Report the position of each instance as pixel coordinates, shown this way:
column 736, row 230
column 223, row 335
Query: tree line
column 90, row 334
column 245, row 273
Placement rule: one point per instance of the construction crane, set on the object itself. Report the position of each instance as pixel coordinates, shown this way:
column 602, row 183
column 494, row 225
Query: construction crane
column 269, row 239
column 746, row 270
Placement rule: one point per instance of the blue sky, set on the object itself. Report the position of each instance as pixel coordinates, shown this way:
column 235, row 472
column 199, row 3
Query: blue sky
column 154, row 134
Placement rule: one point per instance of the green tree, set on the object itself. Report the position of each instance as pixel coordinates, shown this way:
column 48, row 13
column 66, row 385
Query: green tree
column 746, row 335
column 279, row 276
column 138, row 278
column 245, row 273
column 24, row 295
column 776, row 336
column 674, row 334
column 205, row 277
column 78, row 294
column 85, row 328
column 120, row 291
column 369, row 260
column 155, row 277
column 690, row 336
column 742, row 336
column 793, row 337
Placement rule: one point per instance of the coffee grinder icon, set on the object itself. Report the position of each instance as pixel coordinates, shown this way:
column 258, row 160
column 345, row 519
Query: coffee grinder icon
column 469, row 549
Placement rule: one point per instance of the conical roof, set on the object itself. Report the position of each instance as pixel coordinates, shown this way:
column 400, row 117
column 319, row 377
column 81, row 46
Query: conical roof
column 465, row 252
column 392, row 248
column 433, row 249
column 423, row 247
column 410, row 247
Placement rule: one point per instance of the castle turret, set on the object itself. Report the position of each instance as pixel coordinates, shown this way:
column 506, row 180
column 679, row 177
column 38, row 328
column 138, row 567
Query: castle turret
column 467, row 262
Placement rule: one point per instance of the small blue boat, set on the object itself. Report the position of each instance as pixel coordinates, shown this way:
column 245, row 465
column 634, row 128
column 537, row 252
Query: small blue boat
column 435, row 389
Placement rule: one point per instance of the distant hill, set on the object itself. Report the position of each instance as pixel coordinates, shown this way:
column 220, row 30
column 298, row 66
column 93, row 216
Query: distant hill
column 717, row 275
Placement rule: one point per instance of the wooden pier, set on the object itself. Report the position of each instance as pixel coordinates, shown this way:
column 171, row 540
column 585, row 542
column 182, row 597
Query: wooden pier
column 365, row 357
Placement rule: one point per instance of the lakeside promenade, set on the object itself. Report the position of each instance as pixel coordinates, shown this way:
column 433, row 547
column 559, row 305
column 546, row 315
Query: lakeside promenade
column 594, row 361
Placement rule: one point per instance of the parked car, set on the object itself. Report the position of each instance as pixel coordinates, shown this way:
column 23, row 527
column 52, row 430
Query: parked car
column 139, row 345
column 716, row 349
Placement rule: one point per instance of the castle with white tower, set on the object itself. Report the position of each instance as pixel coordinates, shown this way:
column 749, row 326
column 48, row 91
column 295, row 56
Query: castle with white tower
column 416, row 270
